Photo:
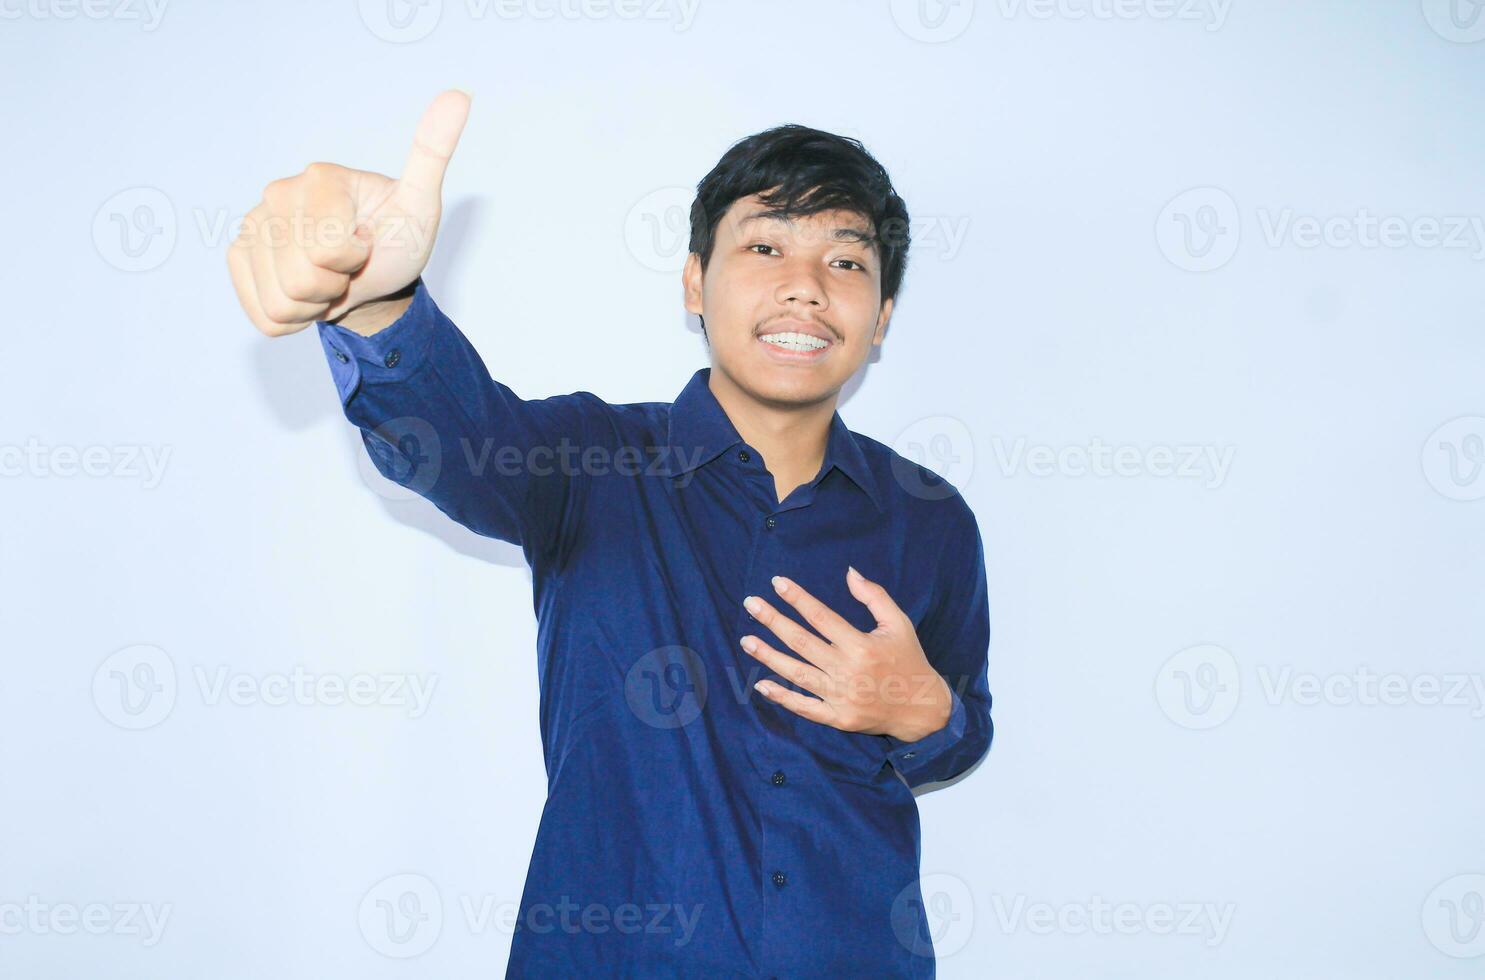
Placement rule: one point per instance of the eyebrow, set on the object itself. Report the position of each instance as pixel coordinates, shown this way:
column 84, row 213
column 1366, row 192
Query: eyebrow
column 839, row 234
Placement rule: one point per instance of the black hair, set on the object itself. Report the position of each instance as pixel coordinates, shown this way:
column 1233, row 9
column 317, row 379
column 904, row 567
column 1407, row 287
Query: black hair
column 800, row 171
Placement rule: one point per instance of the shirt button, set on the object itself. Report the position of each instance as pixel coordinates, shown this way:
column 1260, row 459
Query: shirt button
column 393, row 356
column 908, row 755
column 770, row 522
column 340, row 356
column 780, row 879
column 744, row 455
column 778, row 777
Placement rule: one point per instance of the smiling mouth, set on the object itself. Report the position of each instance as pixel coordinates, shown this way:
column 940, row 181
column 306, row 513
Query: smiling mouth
column 795, row 342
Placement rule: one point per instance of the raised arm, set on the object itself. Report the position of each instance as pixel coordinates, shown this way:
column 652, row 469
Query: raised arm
column 345, row 249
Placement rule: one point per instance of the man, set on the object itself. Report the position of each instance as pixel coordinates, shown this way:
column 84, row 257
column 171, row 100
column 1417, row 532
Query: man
column 757, row 630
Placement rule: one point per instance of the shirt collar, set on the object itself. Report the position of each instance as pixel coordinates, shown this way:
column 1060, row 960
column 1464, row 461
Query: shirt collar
column 699, row 431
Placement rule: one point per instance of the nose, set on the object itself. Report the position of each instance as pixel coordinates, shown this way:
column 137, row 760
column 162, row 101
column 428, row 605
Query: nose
column 803, row 283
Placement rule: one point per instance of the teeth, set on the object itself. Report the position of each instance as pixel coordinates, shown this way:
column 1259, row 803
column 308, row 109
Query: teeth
column 796, row 341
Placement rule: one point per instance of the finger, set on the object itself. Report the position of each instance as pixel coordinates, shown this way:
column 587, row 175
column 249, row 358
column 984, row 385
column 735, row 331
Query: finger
column 831, row 624
column 240, row 263
column 305, row 282
column 795, row 637
column 333, row 241
column 884, row 610
column 433, row 145
column 803, row 705
column 797, row 672
column 300, row 278
column 284, row 314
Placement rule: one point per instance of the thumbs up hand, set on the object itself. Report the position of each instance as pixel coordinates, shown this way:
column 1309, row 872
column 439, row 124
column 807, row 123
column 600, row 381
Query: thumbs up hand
column 333, row 243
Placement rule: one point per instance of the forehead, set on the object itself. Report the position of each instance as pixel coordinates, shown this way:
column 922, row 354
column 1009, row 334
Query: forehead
column 747, row 216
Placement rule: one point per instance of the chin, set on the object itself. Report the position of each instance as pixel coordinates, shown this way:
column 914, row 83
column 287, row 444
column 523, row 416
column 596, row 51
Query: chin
column 788, row 386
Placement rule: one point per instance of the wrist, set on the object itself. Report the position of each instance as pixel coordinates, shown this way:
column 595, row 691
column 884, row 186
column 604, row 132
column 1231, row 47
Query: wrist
column 929, row 717
column 376, row 315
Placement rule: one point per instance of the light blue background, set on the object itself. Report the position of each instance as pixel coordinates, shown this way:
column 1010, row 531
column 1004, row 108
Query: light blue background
column 1051, row 301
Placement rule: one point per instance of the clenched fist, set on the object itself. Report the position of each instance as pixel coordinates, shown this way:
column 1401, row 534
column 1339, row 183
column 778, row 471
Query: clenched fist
column 338, row 244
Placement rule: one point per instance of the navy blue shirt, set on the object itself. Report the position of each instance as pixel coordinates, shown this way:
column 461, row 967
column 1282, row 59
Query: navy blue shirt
column 692, row 827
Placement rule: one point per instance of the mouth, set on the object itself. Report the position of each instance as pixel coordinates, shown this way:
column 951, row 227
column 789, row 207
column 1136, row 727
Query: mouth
column 796, row 342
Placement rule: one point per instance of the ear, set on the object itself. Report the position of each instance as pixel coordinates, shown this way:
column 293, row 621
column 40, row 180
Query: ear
column 691, row 283
column 882, row 318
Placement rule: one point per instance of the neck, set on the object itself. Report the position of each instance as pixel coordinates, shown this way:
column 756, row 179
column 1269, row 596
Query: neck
column 792, row 438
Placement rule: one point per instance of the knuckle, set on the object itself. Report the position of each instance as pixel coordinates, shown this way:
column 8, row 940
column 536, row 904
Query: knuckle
column 329, row 254
column 268, row 327
column 332, row 283
column 280, row 308
column 294, row 282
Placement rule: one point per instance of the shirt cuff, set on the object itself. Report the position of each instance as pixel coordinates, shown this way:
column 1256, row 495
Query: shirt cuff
column 393, row 352
column 909, row 756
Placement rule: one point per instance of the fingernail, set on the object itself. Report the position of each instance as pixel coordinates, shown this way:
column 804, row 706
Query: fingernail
column 780, row 584
column 749, row 644
column 851, row 570
column 752, row 603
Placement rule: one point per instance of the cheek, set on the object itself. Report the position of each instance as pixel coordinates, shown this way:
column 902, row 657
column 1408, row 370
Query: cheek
column 859, row 324
column 734, row 304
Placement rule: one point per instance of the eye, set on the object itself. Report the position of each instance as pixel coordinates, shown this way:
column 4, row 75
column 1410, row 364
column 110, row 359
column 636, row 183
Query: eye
column 762, row 245
column 855, row 263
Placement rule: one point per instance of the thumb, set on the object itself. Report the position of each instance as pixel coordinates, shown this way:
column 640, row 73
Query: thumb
column 433, row 144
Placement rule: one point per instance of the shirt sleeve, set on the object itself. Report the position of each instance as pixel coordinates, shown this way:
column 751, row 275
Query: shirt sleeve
column 956, row 639
column 433, row 420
